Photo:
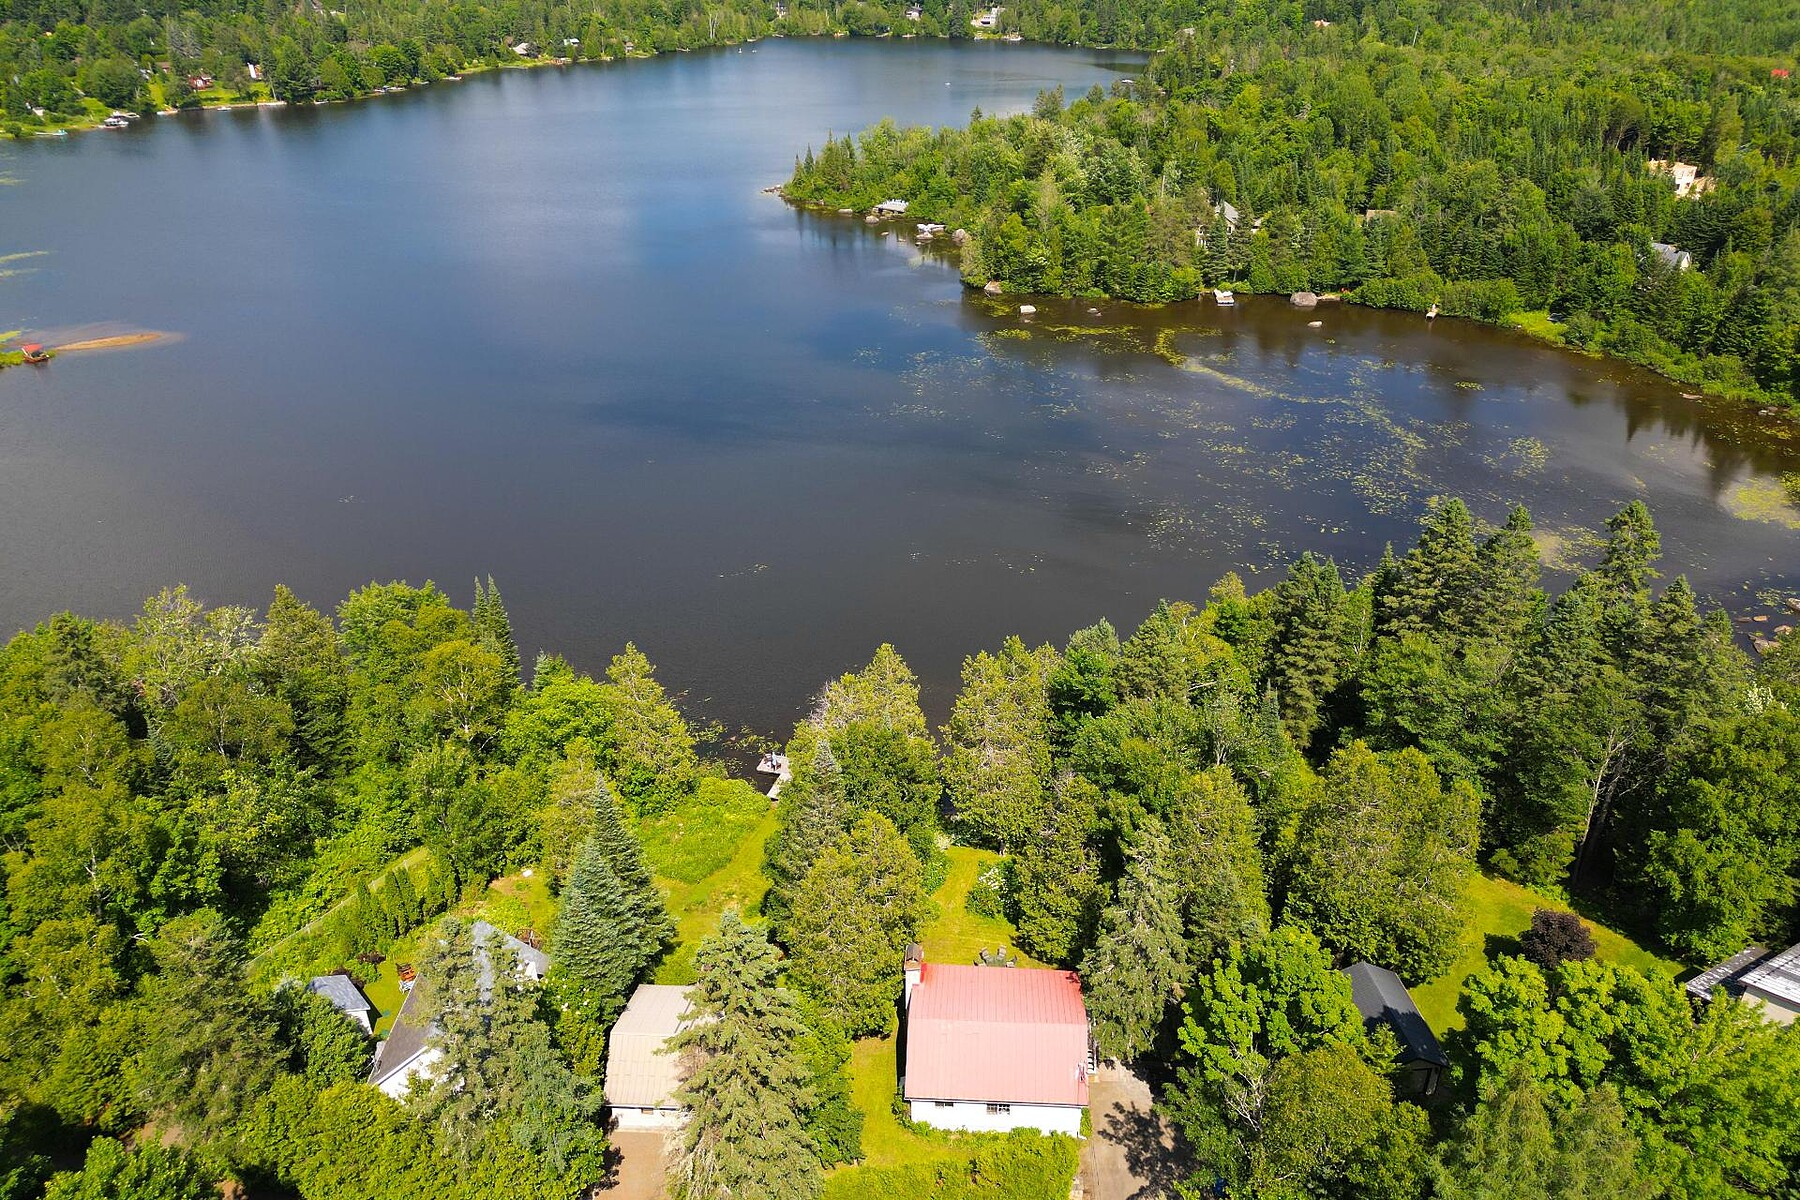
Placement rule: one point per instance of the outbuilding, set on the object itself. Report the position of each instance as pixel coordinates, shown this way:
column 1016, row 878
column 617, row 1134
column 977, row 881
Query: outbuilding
column 643, row 1071
column 1383, row 1000
column 342, row 991
column 1768, row 980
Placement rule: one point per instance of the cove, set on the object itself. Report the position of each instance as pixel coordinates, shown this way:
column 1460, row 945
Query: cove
column 547, row 325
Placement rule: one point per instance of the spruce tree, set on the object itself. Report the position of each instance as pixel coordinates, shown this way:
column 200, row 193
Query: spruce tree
column 493, row 628
column 613, row 923
column 1309, row 657
column 747, row 1081
column 1139, row 959
column 1057, row 887
column 999, row 743
column 1216, row 855
column 1436, row 587
column 811, row 818
column 854, row 914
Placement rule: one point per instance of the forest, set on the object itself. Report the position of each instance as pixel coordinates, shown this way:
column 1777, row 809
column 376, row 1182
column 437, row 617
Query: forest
column 1205, row 817
column 1504, row 163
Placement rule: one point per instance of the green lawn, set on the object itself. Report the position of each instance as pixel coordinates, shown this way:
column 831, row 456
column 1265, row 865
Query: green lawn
column 874, row 1079
column 954, row 934
column 702, row 837
column 1501, row 911
column 697, row 905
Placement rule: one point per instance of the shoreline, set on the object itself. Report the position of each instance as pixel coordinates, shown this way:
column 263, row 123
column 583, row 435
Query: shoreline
column 92, row 121
column 1537, row 326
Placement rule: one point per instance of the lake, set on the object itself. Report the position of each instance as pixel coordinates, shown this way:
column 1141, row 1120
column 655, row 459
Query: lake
column 547, row 325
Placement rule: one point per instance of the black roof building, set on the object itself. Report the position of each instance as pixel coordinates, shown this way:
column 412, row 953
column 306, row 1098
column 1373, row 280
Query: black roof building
column 1381, row 998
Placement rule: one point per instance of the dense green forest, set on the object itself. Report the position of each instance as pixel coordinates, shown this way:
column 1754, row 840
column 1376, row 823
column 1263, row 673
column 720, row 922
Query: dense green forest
column 57, row 54
column 202, row 806
column 1495, row 162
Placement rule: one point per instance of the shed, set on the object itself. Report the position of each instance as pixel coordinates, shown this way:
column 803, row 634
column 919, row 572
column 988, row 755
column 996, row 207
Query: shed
column 1769, row 980
column 642, row 1071
column 342, row 991
column 1382, row 999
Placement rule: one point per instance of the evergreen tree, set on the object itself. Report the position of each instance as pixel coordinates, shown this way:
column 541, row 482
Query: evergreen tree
column 612, row 924
column 1139, row 959
column 998, row 763
column 854, row 914
column 1436, row 586
column 1217, row 859
column 811, row 817
column 1057, row 886
column 1310, row 658
column 493, row 628
column 747, row 1083
column 648, row 748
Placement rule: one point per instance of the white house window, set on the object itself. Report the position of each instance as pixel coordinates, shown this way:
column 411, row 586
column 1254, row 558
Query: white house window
column 1000, row 1108
column 943, row 1103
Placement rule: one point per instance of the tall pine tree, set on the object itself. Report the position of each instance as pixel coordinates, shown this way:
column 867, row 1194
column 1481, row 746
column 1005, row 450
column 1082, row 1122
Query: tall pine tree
column 1139, row 959
column 747, row 1081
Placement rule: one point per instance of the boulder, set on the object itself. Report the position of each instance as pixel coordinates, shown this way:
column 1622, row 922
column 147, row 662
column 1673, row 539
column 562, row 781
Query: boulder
column 1025, row 310
column 1315, row 324
column 871, row 219
column 1304, row 300
column 960, row 236
column 993, row 287
column 1793, row 603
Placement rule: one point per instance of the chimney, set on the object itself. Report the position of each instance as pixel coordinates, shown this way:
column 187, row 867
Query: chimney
column 910, row 970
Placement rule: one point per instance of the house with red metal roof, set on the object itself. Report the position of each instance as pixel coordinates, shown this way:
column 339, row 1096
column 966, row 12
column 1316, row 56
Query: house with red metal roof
column 995, row 1048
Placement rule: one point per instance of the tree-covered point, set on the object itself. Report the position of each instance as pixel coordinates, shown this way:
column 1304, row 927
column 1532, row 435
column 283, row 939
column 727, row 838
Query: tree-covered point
column 1492, row 163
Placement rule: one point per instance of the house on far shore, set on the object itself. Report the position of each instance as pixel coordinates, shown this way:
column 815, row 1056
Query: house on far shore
column 1672, row 256
column 642, row 1070
column 342, row 991
column 991, row 1049
column 1382, row 999
column 408, row 1052
column 1768, row 980
column 987, row 20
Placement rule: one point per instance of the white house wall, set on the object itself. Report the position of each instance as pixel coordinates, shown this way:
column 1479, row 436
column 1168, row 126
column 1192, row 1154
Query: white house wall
column 400, row 1082
column 974, row 1117
column 656, row 1118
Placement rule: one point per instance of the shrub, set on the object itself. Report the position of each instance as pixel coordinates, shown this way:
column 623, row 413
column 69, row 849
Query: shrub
column 1556, row 937
column 987, row 895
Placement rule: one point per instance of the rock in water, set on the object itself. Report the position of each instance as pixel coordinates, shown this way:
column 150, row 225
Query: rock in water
column 1025, row 310
column 1314, row 324
column 1304, row 300
column 960, row 236
column 993, row 287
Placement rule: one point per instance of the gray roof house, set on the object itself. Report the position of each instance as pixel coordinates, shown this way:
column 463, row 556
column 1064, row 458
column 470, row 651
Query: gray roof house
column 1672, row 256
column 1769, row 980
column 342, row 991
column 1381, row 998
column 408, row 1052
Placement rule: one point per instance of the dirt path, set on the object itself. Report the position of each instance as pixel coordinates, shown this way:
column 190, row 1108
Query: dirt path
column 1131, row 1155
column 640, row 1172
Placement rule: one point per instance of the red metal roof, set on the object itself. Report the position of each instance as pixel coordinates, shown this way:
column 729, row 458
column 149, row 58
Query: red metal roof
column 1004, row 1035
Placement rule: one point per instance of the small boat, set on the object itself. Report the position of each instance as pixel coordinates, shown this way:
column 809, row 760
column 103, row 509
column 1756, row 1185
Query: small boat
column 115, row 123
column 1221, row 296
column 35, row 353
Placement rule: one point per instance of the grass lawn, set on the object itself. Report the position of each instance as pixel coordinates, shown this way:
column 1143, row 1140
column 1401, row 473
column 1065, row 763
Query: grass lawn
column 1501, row 911
column 954, row 934
column 874, row 1078
column 701, row 838
column 738, row 880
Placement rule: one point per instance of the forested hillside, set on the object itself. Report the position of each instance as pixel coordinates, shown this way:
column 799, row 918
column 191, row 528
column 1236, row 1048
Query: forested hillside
column 1497, row 163
column 204, row 807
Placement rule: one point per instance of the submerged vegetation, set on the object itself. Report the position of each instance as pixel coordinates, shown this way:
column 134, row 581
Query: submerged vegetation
column 1608, row 177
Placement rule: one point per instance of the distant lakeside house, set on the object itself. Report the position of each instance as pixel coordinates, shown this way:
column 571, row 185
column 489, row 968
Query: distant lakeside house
column 1384, row 1001
column 643, row 1072
column 1769, row 980
column 994, row 1048
column 409, row 1052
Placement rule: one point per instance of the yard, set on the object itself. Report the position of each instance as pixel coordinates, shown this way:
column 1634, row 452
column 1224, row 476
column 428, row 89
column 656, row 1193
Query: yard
column 708, row 857
column 1500, row 912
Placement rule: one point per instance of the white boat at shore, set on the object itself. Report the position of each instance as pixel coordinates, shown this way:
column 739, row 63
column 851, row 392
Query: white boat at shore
column 1223, row 297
